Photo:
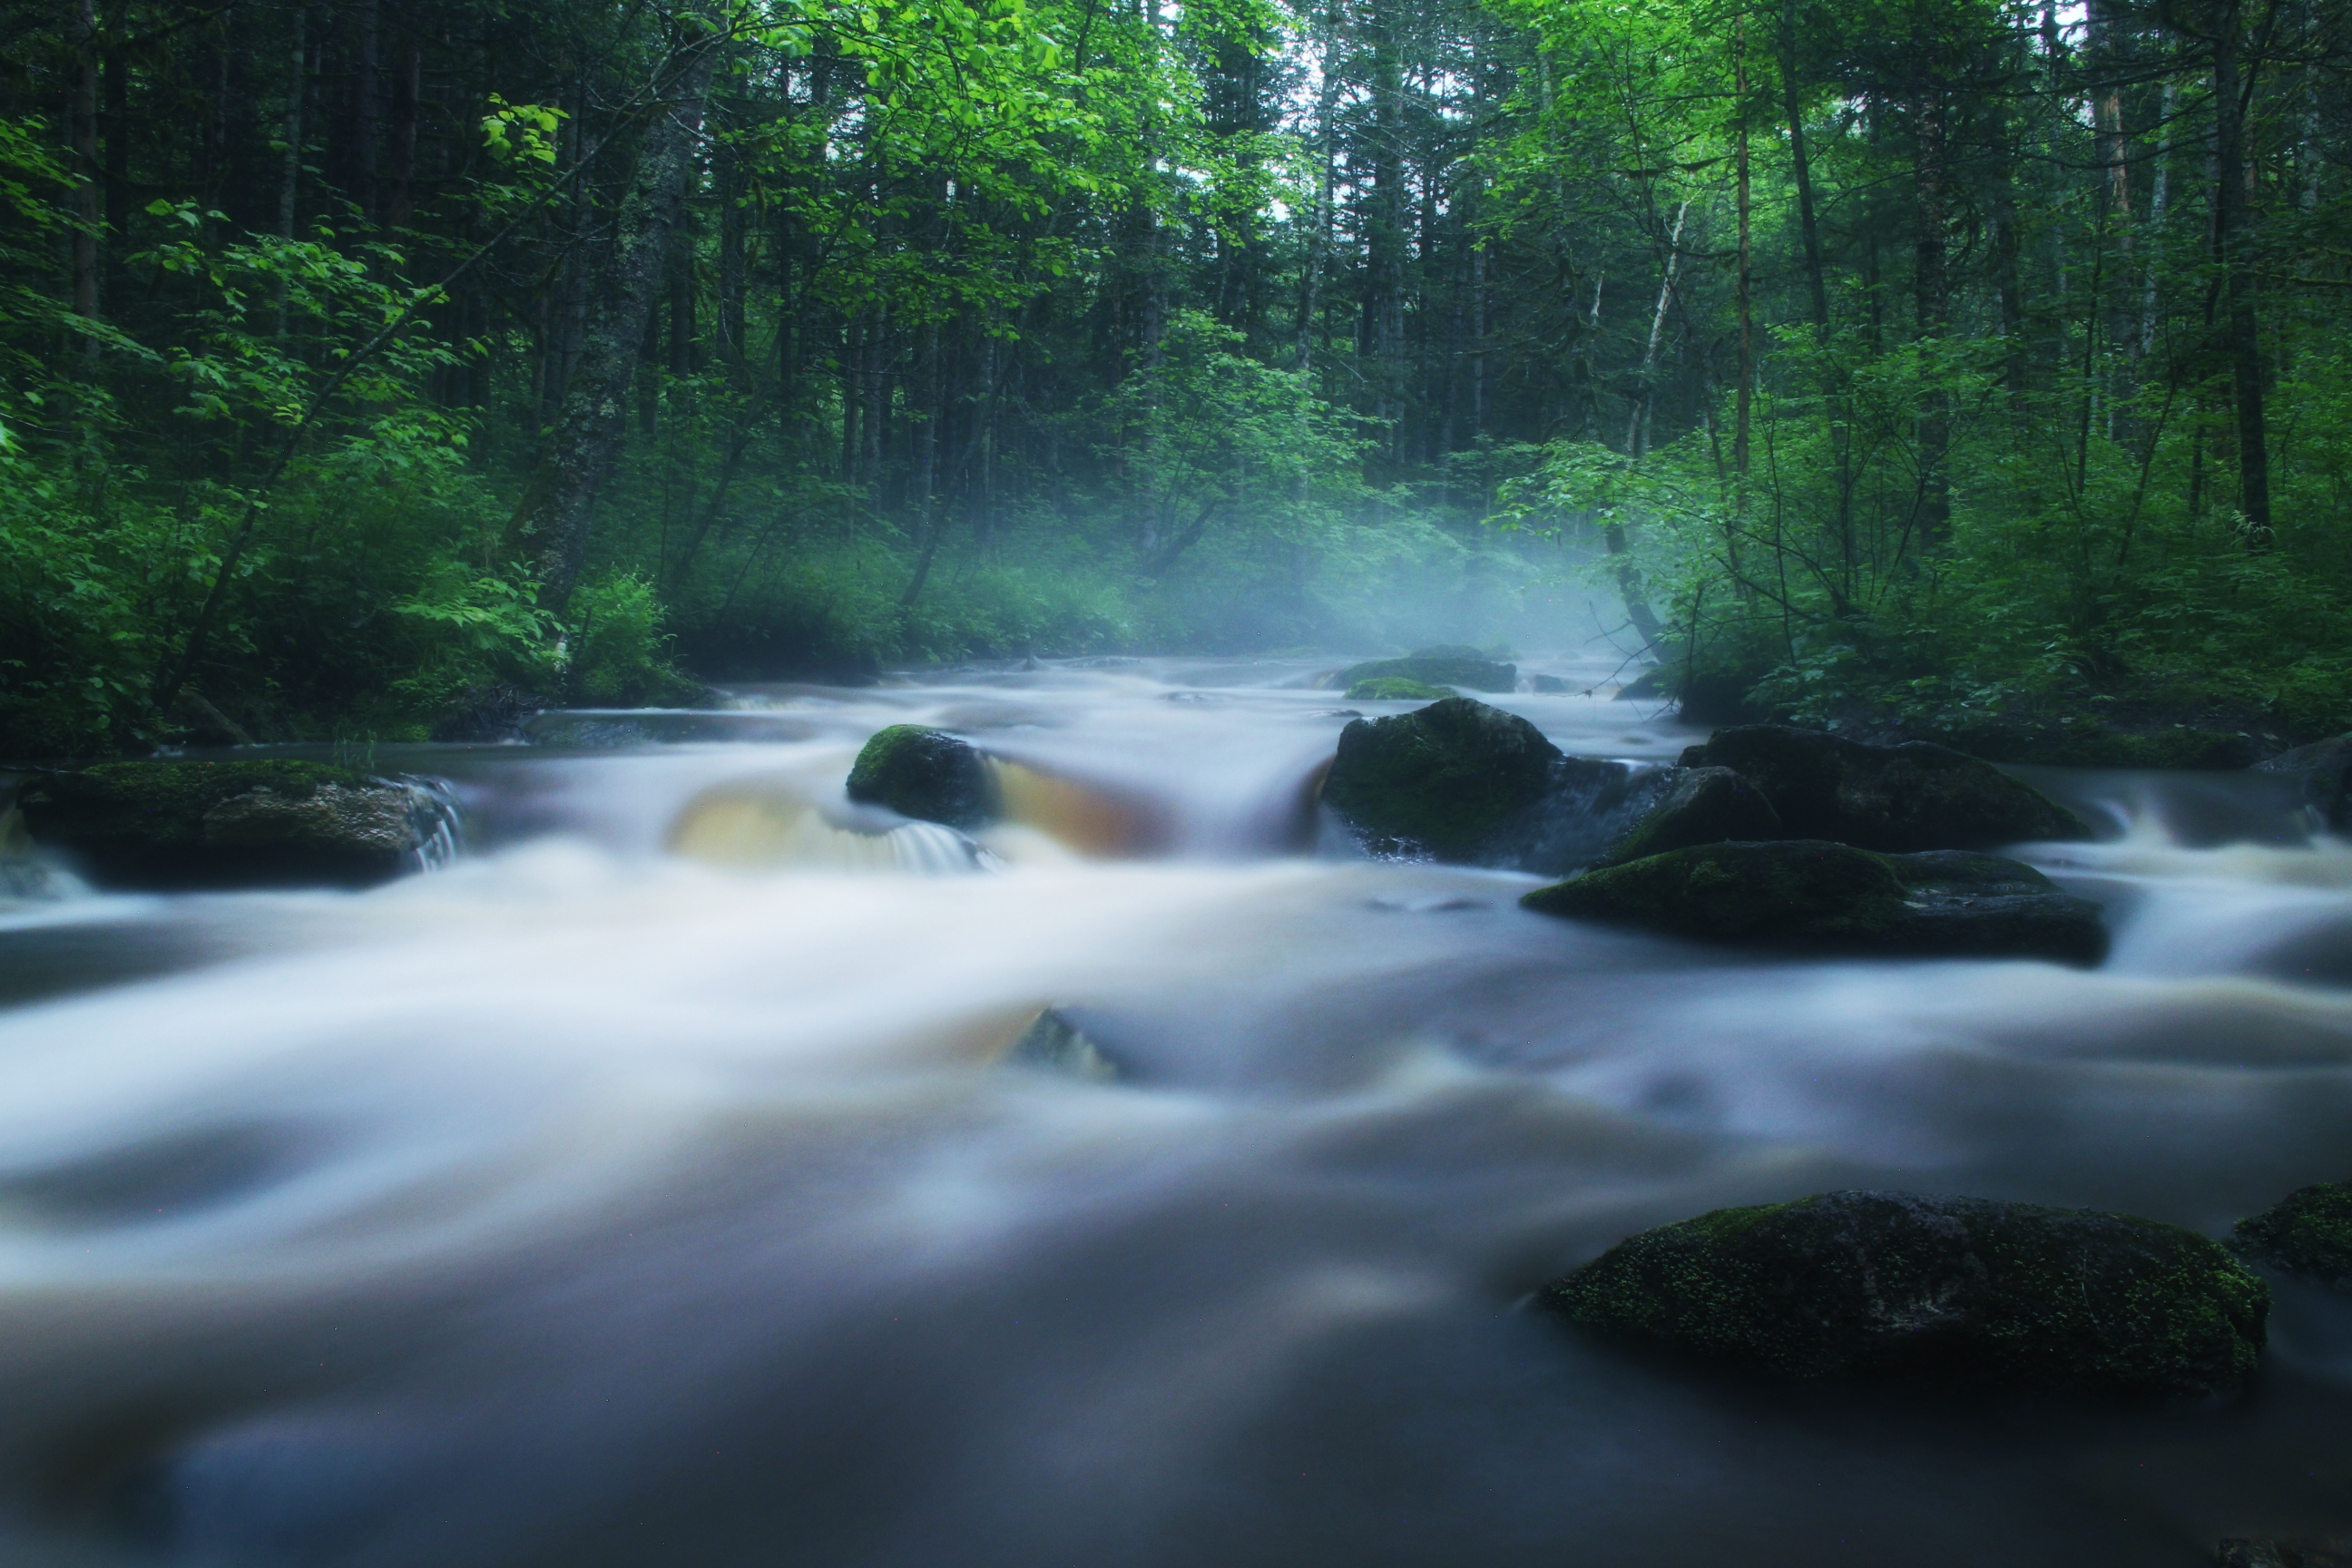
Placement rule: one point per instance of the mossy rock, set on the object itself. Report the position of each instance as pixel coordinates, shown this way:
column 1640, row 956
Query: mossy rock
column 1816, row 896
column 266, row 822
column 1704, row 806
column 2309, row 1231
column 925, row 773
column 1965, row 1292
column 1441, row 778
column 1396, row 688
column 1894, row 799
column 1446, row 665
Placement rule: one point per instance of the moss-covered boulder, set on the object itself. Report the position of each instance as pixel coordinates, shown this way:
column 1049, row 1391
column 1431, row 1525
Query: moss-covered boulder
column 1442, row 779
column 2309, row 1231
column 1809, row 894
column 1960, row 1291
column 1703, row 805
column 1446, row 665
column 2326, row 772
column 925, row 773
column 266, row 823
column 1894, row 799
column 1396, row 688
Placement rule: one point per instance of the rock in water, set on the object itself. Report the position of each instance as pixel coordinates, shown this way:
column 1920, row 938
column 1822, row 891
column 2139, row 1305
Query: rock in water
column 275, row 822
column 1808, row 893
column 1894, row 799
column 1446, row 664
column 2309, row 1231
column 2284, row 1551
column 1964, row 1291
column 1395, row 689
column 1704, row 805
column 1441, row 778
column 926, row 774
column 2325, row 770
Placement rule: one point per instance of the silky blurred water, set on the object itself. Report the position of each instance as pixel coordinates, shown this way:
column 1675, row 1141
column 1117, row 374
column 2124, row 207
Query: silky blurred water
column 587, row 1203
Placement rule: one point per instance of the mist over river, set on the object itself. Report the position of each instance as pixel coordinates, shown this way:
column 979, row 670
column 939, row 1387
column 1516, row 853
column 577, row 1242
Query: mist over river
column 582, row 1203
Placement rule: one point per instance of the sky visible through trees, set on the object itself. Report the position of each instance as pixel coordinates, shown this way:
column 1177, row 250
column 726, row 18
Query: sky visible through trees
column 1927, row 358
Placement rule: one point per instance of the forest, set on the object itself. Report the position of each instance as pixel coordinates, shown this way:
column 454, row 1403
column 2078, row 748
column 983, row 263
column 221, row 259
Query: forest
column 1938, row 364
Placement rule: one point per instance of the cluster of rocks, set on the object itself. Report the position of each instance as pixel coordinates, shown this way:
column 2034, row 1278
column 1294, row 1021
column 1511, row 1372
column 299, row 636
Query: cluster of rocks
column 270, row 822
column 1765, row 834
column 1959, row 1291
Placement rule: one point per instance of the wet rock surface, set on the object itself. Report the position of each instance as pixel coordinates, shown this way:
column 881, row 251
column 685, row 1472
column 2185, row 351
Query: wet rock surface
column 1446, row 665
column 2309, row 1231
column 1811, row 895
column 1702, row 805
column 1892, row 799
column 2326, row 772
column 1470, row 783
column 2284, row 1551
column 926, row 774
column 1906, row 1288
column 263, row 823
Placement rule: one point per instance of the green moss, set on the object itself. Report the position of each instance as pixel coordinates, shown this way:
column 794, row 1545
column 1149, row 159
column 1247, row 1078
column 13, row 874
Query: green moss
column 1796, row 890
column 1441, row 777
column 1445, row 666
column 924, row 773
column 1959, row 1291
column 2309, row 1231
column 1396, row 688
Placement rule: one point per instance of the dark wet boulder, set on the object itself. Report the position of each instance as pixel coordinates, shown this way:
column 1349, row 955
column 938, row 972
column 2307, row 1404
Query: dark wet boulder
column 1396, row 688
column 2326, row 772
column 1807, row 894
column 1966, row 1292
column 2284, row 1551
column 1441, row 778
column 1446, row 665
column 1703, row 805
column 1894, row 799
column 925, row 773
column 265, row 823
column 2309, row 1231
column 1549, row 684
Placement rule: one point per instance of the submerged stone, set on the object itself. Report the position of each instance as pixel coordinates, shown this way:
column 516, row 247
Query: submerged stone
column 1396, row 688
column 1813, row 895
column 1446, row 665
column 926, row 774
column 1894, row 799
column 2309, row 1231
column 1704, row 806
column 1900, row 1287
column 272, row 822
column 1441, row 778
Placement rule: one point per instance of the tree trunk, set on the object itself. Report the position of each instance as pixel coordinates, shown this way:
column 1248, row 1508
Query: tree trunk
column 406, row 89
column 86, row 195
column 2240, row 330
column 1808, row 222
column 363, row 113
column 1741, row 398
column 289, row 178
column 1931, row 285
column 553, row 518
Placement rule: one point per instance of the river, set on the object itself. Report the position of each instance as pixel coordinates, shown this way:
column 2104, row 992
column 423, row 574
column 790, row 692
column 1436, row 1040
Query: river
column 582, row 1203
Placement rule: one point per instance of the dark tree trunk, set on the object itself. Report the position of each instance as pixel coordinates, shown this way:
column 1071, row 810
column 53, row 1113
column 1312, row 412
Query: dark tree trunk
column 364, row 111
column 86, row 172
column 2241, row 334
column 553, row 518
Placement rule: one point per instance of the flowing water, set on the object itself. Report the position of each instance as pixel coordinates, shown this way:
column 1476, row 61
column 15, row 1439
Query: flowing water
column 586, row 1202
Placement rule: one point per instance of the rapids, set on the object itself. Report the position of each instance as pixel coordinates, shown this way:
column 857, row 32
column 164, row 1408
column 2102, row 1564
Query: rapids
column 584, row 1203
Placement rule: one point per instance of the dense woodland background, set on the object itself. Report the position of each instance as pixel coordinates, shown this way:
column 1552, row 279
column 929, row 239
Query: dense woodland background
column 366, row 365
